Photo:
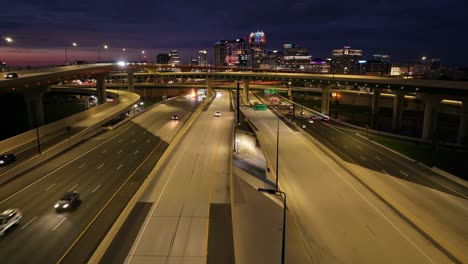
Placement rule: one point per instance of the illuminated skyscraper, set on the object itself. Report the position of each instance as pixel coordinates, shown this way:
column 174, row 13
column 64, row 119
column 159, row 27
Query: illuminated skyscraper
column 345, row 60
column 257, row 48
column 175, row 59
column 219, row 52
column 202, row 58
column 230, row 53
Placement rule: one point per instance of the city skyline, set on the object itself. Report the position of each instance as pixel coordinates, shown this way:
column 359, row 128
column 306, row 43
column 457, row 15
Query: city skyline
column 405, row 32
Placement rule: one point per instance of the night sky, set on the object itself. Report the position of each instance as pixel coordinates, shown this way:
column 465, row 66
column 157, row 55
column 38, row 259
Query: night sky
column 405, row 30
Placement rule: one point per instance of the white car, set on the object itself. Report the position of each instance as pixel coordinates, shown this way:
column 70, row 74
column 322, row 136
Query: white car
column 9, row 218
column 217, row 114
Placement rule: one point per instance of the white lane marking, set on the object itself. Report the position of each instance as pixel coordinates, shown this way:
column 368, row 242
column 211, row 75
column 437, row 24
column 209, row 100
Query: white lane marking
column 82, row 165
column 133, row 141
column 136, row 152
column 118, row 168
column 402, row 172
column 95, row 189
column 50, row 187
column 59, row 224
column 384, row 172
column 120, row 151
column 377, row 157
column 30, row 221
column 366, row 200
column 50, row 173
column 100, row 166
column 363, row 158
column 73, row 187
column 147, row 141
column 104, row 151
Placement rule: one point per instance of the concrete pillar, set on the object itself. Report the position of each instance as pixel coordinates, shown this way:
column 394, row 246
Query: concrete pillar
column 430, row 109
column 209, row 89
column 397, row 109
column 245, row 85
column 463, row 126
column 101, row 88
column 375, row 107
column 326, row 99
column 131, row 81
column 34, row 106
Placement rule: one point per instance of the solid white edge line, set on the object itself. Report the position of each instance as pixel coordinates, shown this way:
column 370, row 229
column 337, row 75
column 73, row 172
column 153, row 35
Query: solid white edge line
column 402, row 172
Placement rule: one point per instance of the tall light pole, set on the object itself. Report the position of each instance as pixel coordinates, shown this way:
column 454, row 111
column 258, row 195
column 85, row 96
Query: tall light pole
column 66, row 54
column 277, row 154
column 99, row 53
column 283, row 239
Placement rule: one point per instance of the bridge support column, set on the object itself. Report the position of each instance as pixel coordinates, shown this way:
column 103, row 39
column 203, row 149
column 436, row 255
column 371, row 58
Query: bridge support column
column 101, row 88
column 326, row 99
column 245, row 85
column 209, row 89
column 430, row 110
column 375, row 108
column 397, row 109
column 34, row 106
column 131, row 81
column 463, row 125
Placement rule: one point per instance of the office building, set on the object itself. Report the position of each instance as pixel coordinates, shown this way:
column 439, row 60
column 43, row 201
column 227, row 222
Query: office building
column 202, row 58
column 257, row 48
column 174, row 58
column 379, row 65
column 163, row 58
column 346, row 61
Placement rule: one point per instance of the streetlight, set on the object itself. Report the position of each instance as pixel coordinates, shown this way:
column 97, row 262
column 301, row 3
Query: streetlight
column 283, row 239
column 66, row 54
column 8, row 39
column 277, row 154
column 99, row 53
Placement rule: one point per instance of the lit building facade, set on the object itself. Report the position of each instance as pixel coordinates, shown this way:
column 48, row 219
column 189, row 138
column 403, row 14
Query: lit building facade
column 202, row 58
column 235, row 53
column 174, row 57
column 346, row 61
column 257, row 48
column 295, row 58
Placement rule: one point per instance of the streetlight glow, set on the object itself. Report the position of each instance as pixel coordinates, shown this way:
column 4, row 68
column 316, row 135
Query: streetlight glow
column 74, row 44
column 105, row 46
column 8, row 39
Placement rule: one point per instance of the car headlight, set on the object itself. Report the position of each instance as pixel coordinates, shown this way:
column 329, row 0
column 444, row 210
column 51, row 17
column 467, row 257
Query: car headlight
column 56, row 205
column 65, row 206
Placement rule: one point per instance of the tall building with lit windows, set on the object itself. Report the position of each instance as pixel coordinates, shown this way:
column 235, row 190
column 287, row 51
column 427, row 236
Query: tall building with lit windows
column 230, row 53
column 174, row 57
column 202, row 61
column 346, row 60
column 257, row 48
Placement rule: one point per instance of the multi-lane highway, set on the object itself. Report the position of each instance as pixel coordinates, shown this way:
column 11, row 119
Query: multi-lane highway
column 98, row 169
column 341, row 220
column 423, row 196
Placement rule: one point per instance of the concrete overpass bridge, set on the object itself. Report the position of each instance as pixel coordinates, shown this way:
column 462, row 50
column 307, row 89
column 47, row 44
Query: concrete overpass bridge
column 33, row 84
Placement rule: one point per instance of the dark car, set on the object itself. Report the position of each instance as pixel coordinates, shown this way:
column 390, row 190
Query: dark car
column 68, row 200
column 175, row 117
column 11, row 75
column 7, row 159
